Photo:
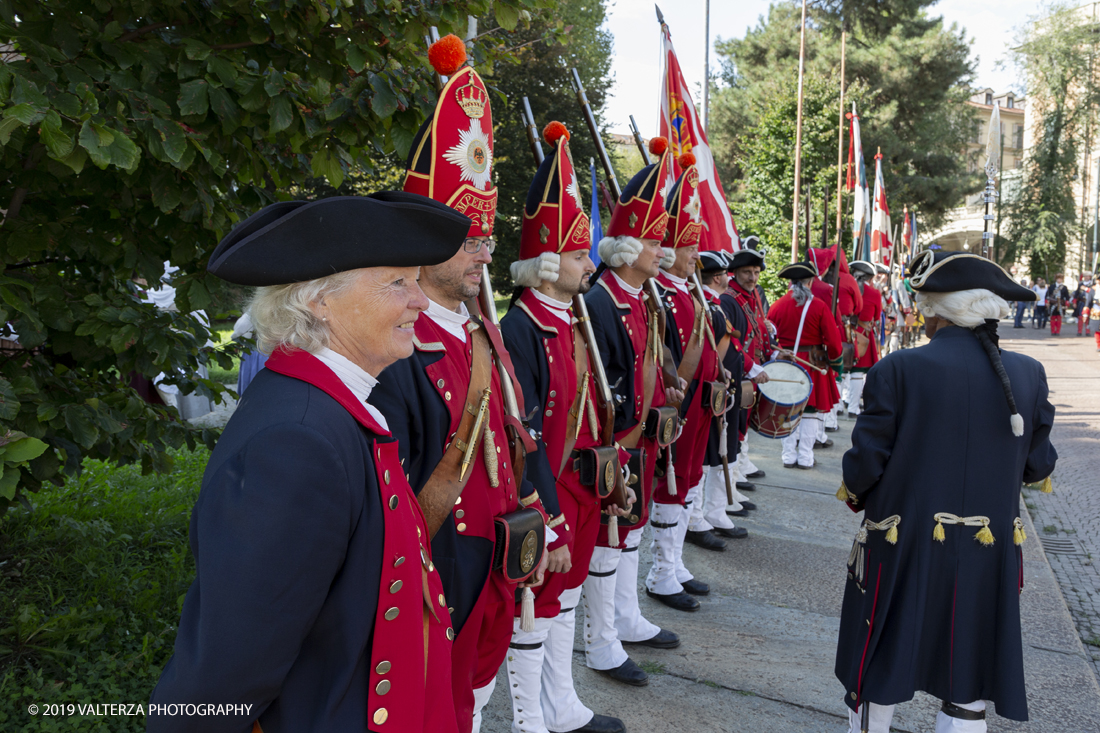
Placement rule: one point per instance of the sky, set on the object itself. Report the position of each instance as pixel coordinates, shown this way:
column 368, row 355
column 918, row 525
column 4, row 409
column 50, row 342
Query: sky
column 989, row 24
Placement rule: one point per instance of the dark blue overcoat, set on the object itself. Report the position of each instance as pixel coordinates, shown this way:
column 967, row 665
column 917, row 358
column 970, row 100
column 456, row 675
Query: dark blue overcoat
column 942, row 617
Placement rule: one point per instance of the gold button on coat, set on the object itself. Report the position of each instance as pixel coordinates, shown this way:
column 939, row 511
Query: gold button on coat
column 382, row 668
column 450, row 634
column 442, row 600
column 391, row 614
column 447, row 396
column 382, row 687
column 461, row 526
column 398, row 562
column 440, row 383
column 393, row 502
column 396, row 586
column 386, row 476
column 380, row 716
column 460, row 513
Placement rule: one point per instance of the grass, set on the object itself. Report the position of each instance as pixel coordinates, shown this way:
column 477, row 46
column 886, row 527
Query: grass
column 653, row 667
column 1050, row 529
column 91, row 586
column 1093, row 641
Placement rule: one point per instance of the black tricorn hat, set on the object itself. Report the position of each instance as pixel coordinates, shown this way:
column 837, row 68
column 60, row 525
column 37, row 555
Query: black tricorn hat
column 746, row 258
column 949, row 272
column 862, row 267
column 295, row 241
column 798, row 271
column 713, row 261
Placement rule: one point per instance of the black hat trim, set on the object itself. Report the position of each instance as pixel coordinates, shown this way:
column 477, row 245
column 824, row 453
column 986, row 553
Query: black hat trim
column 977, row 272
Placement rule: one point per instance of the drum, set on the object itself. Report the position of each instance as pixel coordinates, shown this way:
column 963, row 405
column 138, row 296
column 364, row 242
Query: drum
column 781, row 399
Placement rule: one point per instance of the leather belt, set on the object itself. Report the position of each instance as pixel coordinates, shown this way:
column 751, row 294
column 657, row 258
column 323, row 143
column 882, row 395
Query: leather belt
column 954, row 711
column 662, row 525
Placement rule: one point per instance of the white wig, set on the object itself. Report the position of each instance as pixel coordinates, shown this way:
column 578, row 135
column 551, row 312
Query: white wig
column 533, row 272
column 966, row 308
column 281, row 315
column 668, row 258
column 619, row 251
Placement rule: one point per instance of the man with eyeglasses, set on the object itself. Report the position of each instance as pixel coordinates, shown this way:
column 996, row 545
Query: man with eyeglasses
column 427, row 399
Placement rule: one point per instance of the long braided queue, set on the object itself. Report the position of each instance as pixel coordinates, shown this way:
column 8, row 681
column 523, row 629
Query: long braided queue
column 987, row 335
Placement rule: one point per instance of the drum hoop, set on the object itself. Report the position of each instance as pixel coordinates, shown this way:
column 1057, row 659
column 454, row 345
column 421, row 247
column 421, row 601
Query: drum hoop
column 760, row 392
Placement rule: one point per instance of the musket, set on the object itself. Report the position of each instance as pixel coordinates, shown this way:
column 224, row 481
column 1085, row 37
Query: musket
column 616, row 191
column 532, row 132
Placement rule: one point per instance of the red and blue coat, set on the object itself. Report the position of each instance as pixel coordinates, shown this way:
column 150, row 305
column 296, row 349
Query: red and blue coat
column 729, row 320
column 819, row 329
column 313, row 573
column 620, row 323
column 869, row 319
column 691, row 446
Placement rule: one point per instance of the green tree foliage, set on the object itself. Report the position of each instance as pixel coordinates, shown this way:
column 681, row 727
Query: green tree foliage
column 1057, row 54
column 571, row 37
column 912, row 71
column 768, row 162
column 139, row 131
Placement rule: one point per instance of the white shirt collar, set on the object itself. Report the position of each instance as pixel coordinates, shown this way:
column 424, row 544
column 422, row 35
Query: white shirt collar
column 555, row 306
column 679, row 282
column 628, row 288
column 712, row 291
column 450, row 321
column 354, row 378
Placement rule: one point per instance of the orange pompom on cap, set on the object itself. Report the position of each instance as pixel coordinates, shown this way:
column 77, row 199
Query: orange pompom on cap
column 658, row 145
column 554, row 131
column 686, row 160
column 447, row 55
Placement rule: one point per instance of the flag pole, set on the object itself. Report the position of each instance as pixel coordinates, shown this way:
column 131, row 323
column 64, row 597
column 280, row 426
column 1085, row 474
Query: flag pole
column 991, row 165
column 706, row 74
column 840, row 141
column 798, row 138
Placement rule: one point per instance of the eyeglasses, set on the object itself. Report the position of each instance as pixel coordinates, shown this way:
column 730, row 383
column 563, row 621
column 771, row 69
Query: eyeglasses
column 472, row 245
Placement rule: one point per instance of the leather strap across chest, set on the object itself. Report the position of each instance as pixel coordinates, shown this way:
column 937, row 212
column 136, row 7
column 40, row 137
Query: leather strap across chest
column 693, row 349
column 577, row 411
column 649, row 379
column 449, row 478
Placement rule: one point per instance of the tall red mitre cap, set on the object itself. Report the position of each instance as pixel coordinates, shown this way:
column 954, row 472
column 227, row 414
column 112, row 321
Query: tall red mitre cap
column 640, row 212
column 451, row 158
column 685, row 215
column 554, row 219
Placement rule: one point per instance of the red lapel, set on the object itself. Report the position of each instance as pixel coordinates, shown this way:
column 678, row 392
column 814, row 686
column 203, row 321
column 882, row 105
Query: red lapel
column 311, row 370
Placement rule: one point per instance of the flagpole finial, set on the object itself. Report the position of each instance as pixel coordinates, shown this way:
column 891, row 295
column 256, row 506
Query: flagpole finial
column 660, row 16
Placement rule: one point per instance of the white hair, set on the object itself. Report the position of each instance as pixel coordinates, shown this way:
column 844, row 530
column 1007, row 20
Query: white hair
column 533, row 272
column 619, row 251
column 281, row 315
column 966, row 308
column 800, row 292
column 668, row 257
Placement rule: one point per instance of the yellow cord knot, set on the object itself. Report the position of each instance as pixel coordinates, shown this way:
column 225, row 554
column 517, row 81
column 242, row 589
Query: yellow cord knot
column 1046, row 487
column 1018, row 534
column 846, row 496
column 892, row 535
column 983, row 535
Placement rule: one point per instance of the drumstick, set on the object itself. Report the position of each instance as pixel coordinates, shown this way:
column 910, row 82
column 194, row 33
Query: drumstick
column 788, row 381
column 806, row 363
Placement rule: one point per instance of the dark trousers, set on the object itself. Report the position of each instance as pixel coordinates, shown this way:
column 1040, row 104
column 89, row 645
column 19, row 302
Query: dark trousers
column 1040, row 317
column 1020, row 307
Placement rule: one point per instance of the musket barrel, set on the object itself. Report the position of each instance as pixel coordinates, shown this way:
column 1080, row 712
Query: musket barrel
column 532, row 132
column 594, row 130
column 639, row 141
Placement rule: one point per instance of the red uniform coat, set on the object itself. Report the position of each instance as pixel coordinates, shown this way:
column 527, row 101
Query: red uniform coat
column 869, row 319
column 757, row 341
column 691, row 446
column 819, row 329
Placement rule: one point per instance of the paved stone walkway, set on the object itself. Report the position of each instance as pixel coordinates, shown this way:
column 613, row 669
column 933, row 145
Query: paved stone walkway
column 1069, row 519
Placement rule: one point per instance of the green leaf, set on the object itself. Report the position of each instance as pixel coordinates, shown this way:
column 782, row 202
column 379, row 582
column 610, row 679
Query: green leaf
column 8, row 482
column 57, row 142
column 506, row 16
column 25, row 113
column 26, row 92
column 9, row 403
column 384, row 102
column 281, row 113
column 325, row 164
column 193, row 98
column 7, row 127
column 356, row 58
column 172, row 138
column 165, row 191
column 83, row 430
column 89, row 140
column 124, row 153
column 225, row 110
column 23, row 450
column 47, row 411
column 196, row 50
column 76, row 159
column 224, row 70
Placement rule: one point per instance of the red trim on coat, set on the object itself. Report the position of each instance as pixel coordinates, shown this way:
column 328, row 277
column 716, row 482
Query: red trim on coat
column 870, row 630
column 311, row 370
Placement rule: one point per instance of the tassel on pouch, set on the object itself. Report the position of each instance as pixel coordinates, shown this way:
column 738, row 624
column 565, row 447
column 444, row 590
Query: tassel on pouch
column 527, row 611
column 613, row 531
column 670, row 473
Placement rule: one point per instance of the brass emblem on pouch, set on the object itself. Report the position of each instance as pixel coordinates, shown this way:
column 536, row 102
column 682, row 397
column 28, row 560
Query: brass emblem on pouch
column 666, row 433
column 609, row 475
column 719, row 401
column 527, row 552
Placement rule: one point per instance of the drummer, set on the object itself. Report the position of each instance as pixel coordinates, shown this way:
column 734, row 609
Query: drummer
column 805, row 328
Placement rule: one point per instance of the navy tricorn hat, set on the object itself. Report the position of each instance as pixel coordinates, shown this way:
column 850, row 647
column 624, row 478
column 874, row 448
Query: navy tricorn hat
column 862, row 267
column 747, row 258
column 949, row 272
column 295, row 241
column 798, row 271
column 713, row 261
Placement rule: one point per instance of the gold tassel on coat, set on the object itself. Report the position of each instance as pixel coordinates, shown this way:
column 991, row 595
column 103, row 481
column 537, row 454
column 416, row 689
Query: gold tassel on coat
column 984, row 536
column 1046, row 487
column 1018, row 534
column 937, row 532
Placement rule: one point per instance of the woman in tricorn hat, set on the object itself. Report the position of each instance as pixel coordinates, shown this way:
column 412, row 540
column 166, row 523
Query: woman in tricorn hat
column 932, row 601
column 313, row 606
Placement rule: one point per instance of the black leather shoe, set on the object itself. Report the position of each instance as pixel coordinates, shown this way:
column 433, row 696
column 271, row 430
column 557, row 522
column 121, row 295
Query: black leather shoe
column 745, row 486
column 790, row 465
column 601, row 724
column 748, row 505
column 696, row 587
column 742, row 512
column 705, row 540
column 628, row 673
column 805, row 468
column 827, row 444
column 756, row 474
column 680, row 601
column 833, row 430
column 735, row 533
column 663, row 640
